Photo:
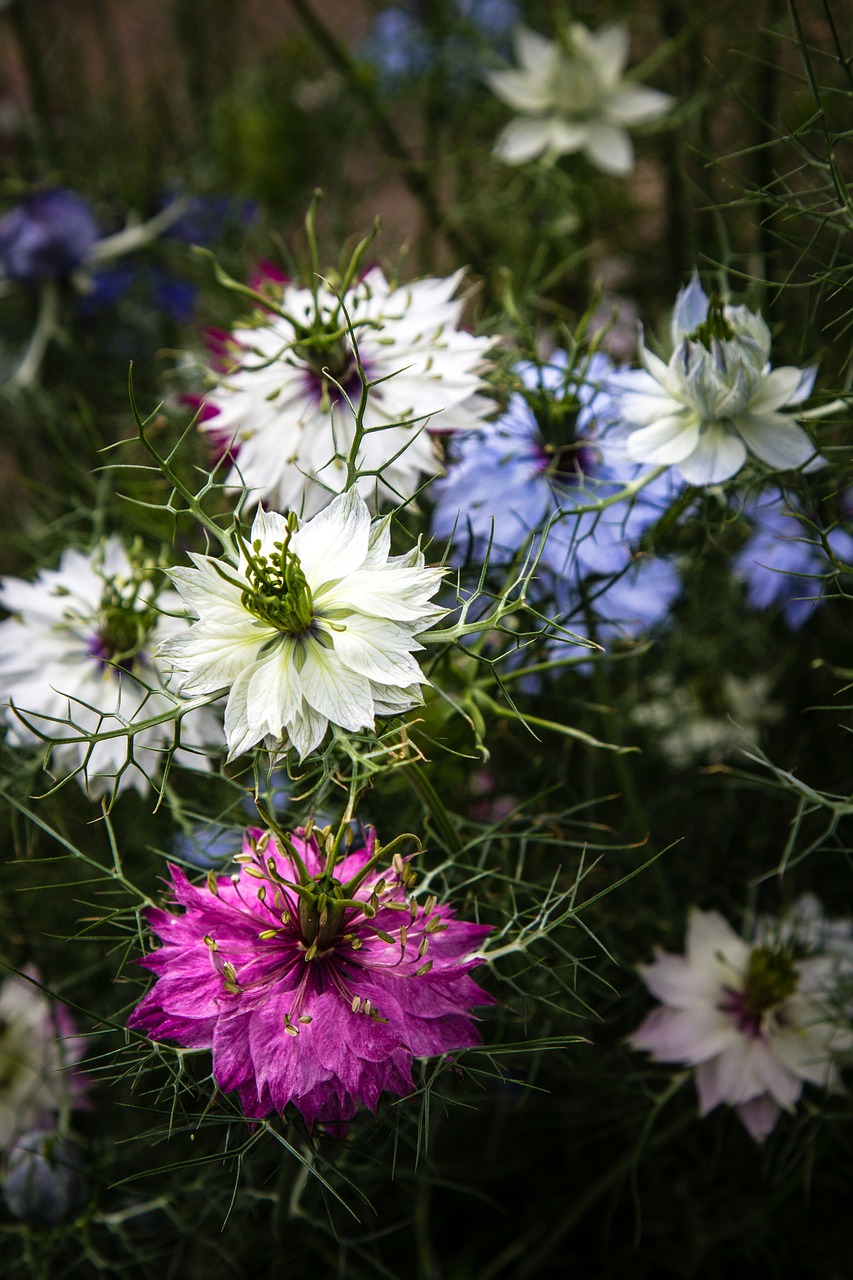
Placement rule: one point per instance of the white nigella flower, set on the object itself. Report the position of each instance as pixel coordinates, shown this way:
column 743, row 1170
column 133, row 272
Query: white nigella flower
column 572, row 96
column 79, row 649
column 716, row 399
column 756, row 1022
column 285, row 397
column 316, row 623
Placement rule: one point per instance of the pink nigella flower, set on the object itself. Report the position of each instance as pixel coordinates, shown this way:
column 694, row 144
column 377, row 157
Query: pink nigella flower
column 311, row 988
column 755, row 1021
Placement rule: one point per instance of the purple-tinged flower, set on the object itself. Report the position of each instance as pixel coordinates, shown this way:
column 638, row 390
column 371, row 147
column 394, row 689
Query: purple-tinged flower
column 755, row 1021
column 290, row 393
column 46, row 236
column 544, row 469
column 44, row 1182
column 783, row 563
column 311, row 988
column 77, row 657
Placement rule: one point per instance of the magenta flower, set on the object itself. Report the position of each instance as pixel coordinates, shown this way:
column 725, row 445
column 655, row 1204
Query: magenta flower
column 311, row 988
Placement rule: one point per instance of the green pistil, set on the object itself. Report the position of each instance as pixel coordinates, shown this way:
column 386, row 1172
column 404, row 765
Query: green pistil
column 279, row 593
column 770, row 979
column 714, row 326
column 123, row 626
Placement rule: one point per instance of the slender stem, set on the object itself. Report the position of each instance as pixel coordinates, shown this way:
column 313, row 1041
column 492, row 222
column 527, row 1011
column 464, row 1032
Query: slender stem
column 46, row 323
column 426, row 792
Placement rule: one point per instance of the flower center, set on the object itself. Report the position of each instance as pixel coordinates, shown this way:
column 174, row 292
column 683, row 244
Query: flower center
column 278, row 592
column 714, row 326
column 330, row 363
column 565, row 456
column 770, row 979
column 122, row 625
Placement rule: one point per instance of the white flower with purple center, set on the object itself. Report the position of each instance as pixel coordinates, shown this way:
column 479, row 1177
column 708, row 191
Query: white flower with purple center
column 288, row 392
column 717, row 399
column 314, row 624
column 572, row 95
column 754, row 1020
column 77, row 655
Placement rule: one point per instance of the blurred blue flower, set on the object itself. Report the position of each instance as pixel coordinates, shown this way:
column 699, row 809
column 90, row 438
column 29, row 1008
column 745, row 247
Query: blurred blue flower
column 783, row 563
column 44, row 1182
column 208, row 845
column 536, row 476
column 401, row 43
column 46, row 236
column 206, row 218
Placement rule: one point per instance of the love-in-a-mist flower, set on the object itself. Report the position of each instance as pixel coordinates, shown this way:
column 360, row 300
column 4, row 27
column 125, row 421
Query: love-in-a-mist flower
column 38, row 1053
column 537, row 476
column 755, row 1021
column 46, row 236
column 571, row 95
column 784, row 562
column 717, row 399
column 311, row 988
column 289, row 387
column 77, row 655
column 316, row 623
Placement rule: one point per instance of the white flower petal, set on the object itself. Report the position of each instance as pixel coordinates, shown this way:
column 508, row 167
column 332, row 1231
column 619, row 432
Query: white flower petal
column 609, row 148
column 776, row 440
column 783, row 386
column 718, row 455
column 637, row 104
column 669, row 440
column 522, row 140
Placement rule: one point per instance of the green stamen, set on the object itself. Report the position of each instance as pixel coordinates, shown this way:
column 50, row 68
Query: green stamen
column 714, row 326
column 770, row 979
column 279, row 593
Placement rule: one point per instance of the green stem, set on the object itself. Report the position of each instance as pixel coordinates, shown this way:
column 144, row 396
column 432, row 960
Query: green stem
column 426, row 792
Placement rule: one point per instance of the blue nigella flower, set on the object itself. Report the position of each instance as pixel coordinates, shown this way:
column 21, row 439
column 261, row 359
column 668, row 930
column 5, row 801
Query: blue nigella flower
column 401, row 44
column 534, row 478
column 783, row 564
column 46, row 236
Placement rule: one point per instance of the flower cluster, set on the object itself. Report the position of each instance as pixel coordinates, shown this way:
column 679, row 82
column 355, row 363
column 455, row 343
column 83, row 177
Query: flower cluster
column 288, row 391
column 314, row 624
column 757, row 1021
column 311, row 987
column 572, row 96
column 78, row 656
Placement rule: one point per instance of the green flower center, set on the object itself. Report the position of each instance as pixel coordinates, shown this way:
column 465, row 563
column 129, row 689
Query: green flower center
column 278, row 593
column 124, row 622
column 714, row 326
column 770, row 979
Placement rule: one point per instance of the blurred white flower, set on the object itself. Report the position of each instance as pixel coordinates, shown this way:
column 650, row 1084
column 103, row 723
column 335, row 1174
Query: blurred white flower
column 38, row 1050
column 686, row 730
column 572, row 96
column 716, row 399
column 285, row 396
column 77, row 655
column 316, row 623
column 756, row 1022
